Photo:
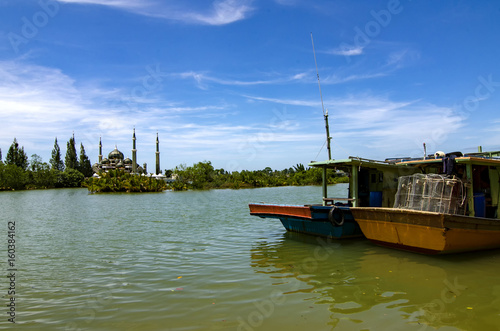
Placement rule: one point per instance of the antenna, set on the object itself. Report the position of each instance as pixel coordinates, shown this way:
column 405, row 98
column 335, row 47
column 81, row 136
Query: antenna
column 325, row 113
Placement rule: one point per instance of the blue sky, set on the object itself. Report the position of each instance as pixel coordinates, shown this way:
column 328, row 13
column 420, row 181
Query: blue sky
column 234, row 81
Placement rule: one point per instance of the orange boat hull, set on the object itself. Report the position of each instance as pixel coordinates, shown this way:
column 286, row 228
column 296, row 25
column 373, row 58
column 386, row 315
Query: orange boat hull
column 427, row 232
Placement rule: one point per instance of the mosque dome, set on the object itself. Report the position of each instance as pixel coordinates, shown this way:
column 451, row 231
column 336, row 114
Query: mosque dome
column 127, row 161
column 119, row 164
column 115, row 154
column 105, row 161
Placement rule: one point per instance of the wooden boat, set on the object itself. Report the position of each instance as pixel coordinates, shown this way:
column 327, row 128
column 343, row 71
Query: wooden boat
column 332, row 218
column 326, row 221
column 427, row 232
column 436, row 213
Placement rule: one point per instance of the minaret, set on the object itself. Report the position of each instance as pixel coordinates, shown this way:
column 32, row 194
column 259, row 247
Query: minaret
column 157, row 155
column 100, row 150
column 134, row 155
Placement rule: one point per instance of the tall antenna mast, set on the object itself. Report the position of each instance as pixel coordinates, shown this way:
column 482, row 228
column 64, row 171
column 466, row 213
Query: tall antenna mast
column 325, row 113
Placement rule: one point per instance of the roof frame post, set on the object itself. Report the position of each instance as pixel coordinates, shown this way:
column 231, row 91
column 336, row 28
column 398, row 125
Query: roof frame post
column 325, row 185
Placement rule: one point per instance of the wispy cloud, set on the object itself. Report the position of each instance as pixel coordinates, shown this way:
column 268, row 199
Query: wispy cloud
column 202, row 78
column 287, row 2
column 39, row 103
column 223, row 12
column 337, row 79
column 401, row 58
column 347, row 51
column 220, row 12
column 363, row 121
column 289, row 102
column 394, row 61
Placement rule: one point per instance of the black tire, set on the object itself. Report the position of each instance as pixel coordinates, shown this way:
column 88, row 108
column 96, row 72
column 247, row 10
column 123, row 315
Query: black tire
column 336, row 216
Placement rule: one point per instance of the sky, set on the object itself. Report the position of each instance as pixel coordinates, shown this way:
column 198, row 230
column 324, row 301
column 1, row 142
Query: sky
column 234, row 82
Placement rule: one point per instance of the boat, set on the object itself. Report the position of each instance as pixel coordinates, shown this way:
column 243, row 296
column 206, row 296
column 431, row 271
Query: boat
column 332, row 217
column 334, row 222
column 371, row 184
column 451, row 205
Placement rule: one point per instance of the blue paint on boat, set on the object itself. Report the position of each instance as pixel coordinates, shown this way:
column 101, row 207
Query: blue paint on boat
column 339, row 225
column 320, row 225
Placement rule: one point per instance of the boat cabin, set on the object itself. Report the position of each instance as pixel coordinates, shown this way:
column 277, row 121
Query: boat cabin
column 463, row 184
column 371, row 183
column 479, row 173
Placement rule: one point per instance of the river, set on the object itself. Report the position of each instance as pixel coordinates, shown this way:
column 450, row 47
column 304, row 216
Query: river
column 197, row 260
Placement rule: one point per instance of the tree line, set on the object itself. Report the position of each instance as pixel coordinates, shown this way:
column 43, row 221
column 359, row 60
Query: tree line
column 19, row 173
column 202, row 175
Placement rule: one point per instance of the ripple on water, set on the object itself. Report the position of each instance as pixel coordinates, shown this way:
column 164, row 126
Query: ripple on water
column 198, row 261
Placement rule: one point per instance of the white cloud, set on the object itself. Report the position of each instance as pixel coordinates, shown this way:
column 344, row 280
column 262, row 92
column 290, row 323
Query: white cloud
column 338, row 79
column 347, row 51
column 286, row 2
column 113, row 3
column 220, row 12
column 39, row 103
column 290, row 102
column 202, row 78
column 370, row 125
column 223, row 12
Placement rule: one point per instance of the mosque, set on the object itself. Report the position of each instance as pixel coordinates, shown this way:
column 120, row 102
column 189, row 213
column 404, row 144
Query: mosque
column 116, row 160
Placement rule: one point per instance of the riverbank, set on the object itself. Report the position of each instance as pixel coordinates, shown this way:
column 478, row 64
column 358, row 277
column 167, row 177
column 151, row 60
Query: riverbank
column 199, row 176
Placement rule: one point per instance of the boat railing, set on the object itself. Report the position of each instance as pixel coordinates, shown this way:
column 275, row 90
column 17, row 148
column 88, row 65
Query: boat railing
column 332, row 201
column 360, row 159
column 485, row 155
column 495, row 155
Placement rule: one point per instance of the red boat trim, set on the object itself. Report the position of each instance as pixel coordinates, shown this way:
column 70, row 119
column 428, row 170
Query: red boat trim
column 280, row 210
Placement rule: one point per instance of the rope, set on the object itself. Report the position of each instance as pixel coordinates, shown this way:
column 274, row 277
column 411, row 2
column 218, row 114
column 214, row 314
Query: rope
column 320, row 150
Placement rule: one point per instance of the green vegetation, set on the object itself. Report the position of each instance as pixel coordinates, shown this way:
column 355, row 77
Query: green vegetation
column 56, row 161
column 17, row 156
column 71, row 160
column 120, row 181
column 19, row 173
column 13, row 177
column 202, row 175
column 84, row 165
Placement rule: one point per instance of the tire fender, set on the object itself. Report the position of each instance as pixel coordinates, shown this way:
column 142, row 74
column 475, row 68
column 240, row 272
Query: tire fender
column 336, row 216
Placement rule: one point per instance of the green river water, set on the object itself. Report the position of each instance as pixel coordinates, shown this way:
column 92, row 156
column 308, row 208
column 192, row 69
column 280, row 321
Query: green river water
column 199, row 261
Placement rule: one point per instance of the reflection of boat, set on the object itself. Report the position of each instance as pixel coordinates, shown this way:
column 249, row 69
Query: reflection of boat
column 366, row 287
column 371, row 183
column 435, row 213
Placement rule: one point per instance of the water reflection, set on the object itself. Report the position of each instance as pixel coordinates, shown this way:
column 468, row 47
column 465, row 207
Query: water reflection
column 368, row 287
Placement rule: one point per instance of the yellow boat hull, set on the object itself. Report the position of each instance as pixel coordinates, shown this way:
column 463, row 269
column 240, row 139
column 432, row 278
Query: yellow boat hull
column 427, row 232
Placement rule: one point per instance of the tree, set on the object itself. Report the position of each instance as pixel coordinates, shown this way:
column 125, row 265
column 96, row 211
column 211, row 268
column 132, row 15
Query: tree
column 12, row 177
column 71, row 159
column 40, row 174
column 17, row 156
column 35, row 163
column 299, row 168
column 56, row 161
column 84, row 165
column 72, row 178
column 0, row 155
